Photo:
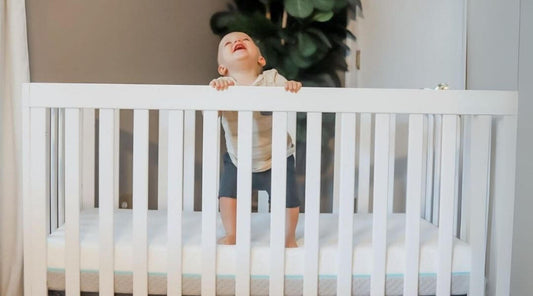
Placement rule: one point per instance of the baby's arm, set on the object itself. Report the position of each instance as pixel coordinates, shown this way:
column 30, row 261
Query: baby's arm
column 222, row 83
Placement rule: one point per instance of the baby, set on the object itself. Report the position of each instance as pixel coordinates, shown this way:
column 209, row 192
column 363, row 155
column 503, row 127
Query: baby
column 240, row 63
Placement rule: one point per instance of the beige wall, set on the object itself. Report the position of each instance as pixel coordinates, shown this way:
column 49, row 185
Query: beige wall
column 124, row 41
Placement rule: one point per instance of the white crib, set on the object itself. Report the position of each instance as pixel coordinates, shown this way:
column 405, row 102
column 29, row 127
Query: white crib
column 455, row 236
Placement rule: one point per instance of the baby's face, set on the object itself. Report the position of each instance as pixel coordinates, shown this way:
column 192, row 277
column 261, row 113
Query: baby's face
column 237, row 47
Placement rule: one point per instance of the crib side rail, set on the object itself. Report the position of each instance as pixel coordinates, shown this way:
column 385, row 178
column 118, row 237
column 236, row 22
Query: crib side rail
column 312, row 99
column 349, row 103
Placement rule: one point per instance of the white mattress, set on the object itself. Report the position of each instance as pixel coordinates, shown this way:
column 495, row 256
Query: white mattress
column 157, row 230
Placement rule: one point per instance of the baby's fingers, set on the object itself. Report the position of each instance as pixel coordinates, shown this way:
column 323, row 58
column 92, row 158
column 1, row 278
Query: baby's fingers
column 221, row 84
column 228, row 83
column 293, row 86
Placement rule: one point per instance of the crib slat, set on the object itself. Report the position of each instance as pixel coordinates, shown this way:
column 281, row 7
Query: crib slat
column 106, row 200
column 49, row 198
column 456, row 218
column 424, row 166
column 464, row 230
column 188, row 160
column 413, row 204
column 88, row 155
column 277, row 203
column 54, row 128
column 140, row 202
column 175, row 200
column 312, row 202
column 336, row 164
column 429, row 168
column 478, row 185
column 346, row 203
column 437, row 169
column 392, row 145
column 244, row 203
column 447, row 198
column 381, row 194
column 162, row 162
column 365, row 135
column 209, row 205
column 61, row 169
column 38, row 195
column 116, row 140
column 292, row 118
column 73, row 191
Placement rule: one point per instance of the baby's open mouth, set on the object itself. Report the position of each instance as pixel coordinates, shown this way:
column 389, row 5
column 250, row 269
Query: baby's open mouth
column 238, row 46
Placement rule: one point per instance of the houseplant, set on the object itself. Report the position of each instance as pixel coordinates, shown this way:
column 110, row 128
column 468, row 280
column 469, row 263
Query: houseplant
column 302, row 39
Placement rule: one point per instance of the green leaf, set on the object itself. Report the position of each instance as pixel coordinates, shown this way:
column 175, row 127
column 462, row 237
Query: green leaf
column 299, row 8
column 320, row 35
column 324, row 5
column 306, row 44
column 299, row 60
column 288, row 69
column 339, row 4
column 322, row 16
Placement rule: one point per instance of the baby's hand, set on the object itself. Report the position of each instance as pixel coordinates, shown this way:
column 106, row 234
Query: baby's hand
column 222, row 83
column 293, row 86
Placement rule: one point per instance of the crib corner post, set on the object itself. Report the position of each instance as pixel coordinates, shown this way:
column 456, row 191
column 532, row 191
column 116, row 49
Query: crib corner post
column 502, row 200
column 36, row 218
column 26, row 187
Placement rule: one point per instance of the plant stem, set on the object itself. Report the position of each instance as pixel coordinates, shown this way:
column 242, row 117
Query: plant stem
column 267, row 12
column 284, row 24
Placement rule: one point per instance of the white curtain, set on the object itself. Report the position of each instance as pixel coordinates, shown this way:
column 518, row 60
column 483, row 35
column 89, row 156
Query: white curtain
column 14, row 70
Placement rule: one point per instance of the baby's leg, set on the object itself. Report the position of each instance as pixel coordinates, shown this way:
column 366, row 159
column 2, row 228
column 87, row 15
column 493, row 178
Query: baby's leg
column 228, row 203
column 228, row 214
column 290, row 227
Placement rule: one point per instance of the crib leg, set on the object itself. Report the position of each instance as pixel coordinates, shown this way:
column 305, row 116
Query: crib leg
column 503, row 207
column 38, row 194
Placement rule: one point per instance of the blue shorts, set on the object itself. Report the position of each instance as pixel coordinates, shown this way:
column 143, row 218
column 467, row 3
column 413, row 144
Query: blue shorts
column 260, row 181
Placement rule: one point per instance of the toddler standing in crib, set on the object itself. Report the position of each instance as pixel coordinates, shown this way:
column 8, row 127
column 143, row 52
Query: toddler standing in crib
column 240, row 63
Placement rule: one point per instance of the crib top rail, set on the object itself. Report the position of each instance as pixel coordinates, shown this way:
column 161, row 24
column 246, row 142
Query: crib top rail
column 309, row 99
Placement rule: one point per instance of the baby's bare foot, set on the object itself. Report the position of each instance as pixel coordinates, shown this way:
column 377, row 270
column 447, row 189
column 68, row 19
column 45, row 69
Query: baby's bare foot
column 227, row 240
column 291, row 244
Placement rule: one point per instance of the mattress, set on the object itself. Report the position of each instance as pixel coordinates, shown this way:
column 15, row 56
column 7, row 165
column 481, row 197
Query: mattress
column 260, row 255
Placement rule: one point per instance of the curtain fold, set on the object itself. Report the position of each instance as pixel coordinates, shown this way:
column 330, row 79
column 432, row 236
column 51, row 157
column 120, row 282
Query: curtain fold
column 14, row 70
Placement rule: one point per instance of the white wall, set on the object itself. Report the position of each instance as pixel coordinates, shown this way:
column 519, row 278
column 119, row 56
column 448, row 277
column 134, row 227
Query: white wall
column 522, row 269
column 410, row 44
column 492, row 43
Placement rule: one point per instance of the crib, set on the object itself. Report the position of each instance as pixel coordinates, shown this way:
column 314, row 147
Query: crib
column 454, row 236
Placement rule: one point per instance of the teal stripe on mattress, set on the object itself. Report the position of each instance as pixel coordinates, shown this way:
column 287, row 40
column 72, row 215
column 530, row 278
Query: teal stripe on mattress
column 323, row 276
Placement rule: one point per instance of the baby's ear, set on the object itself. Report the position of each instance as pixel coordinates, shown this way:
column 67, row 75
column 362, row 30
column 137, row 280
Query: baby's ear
column 222, row 70
column 261, row 61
